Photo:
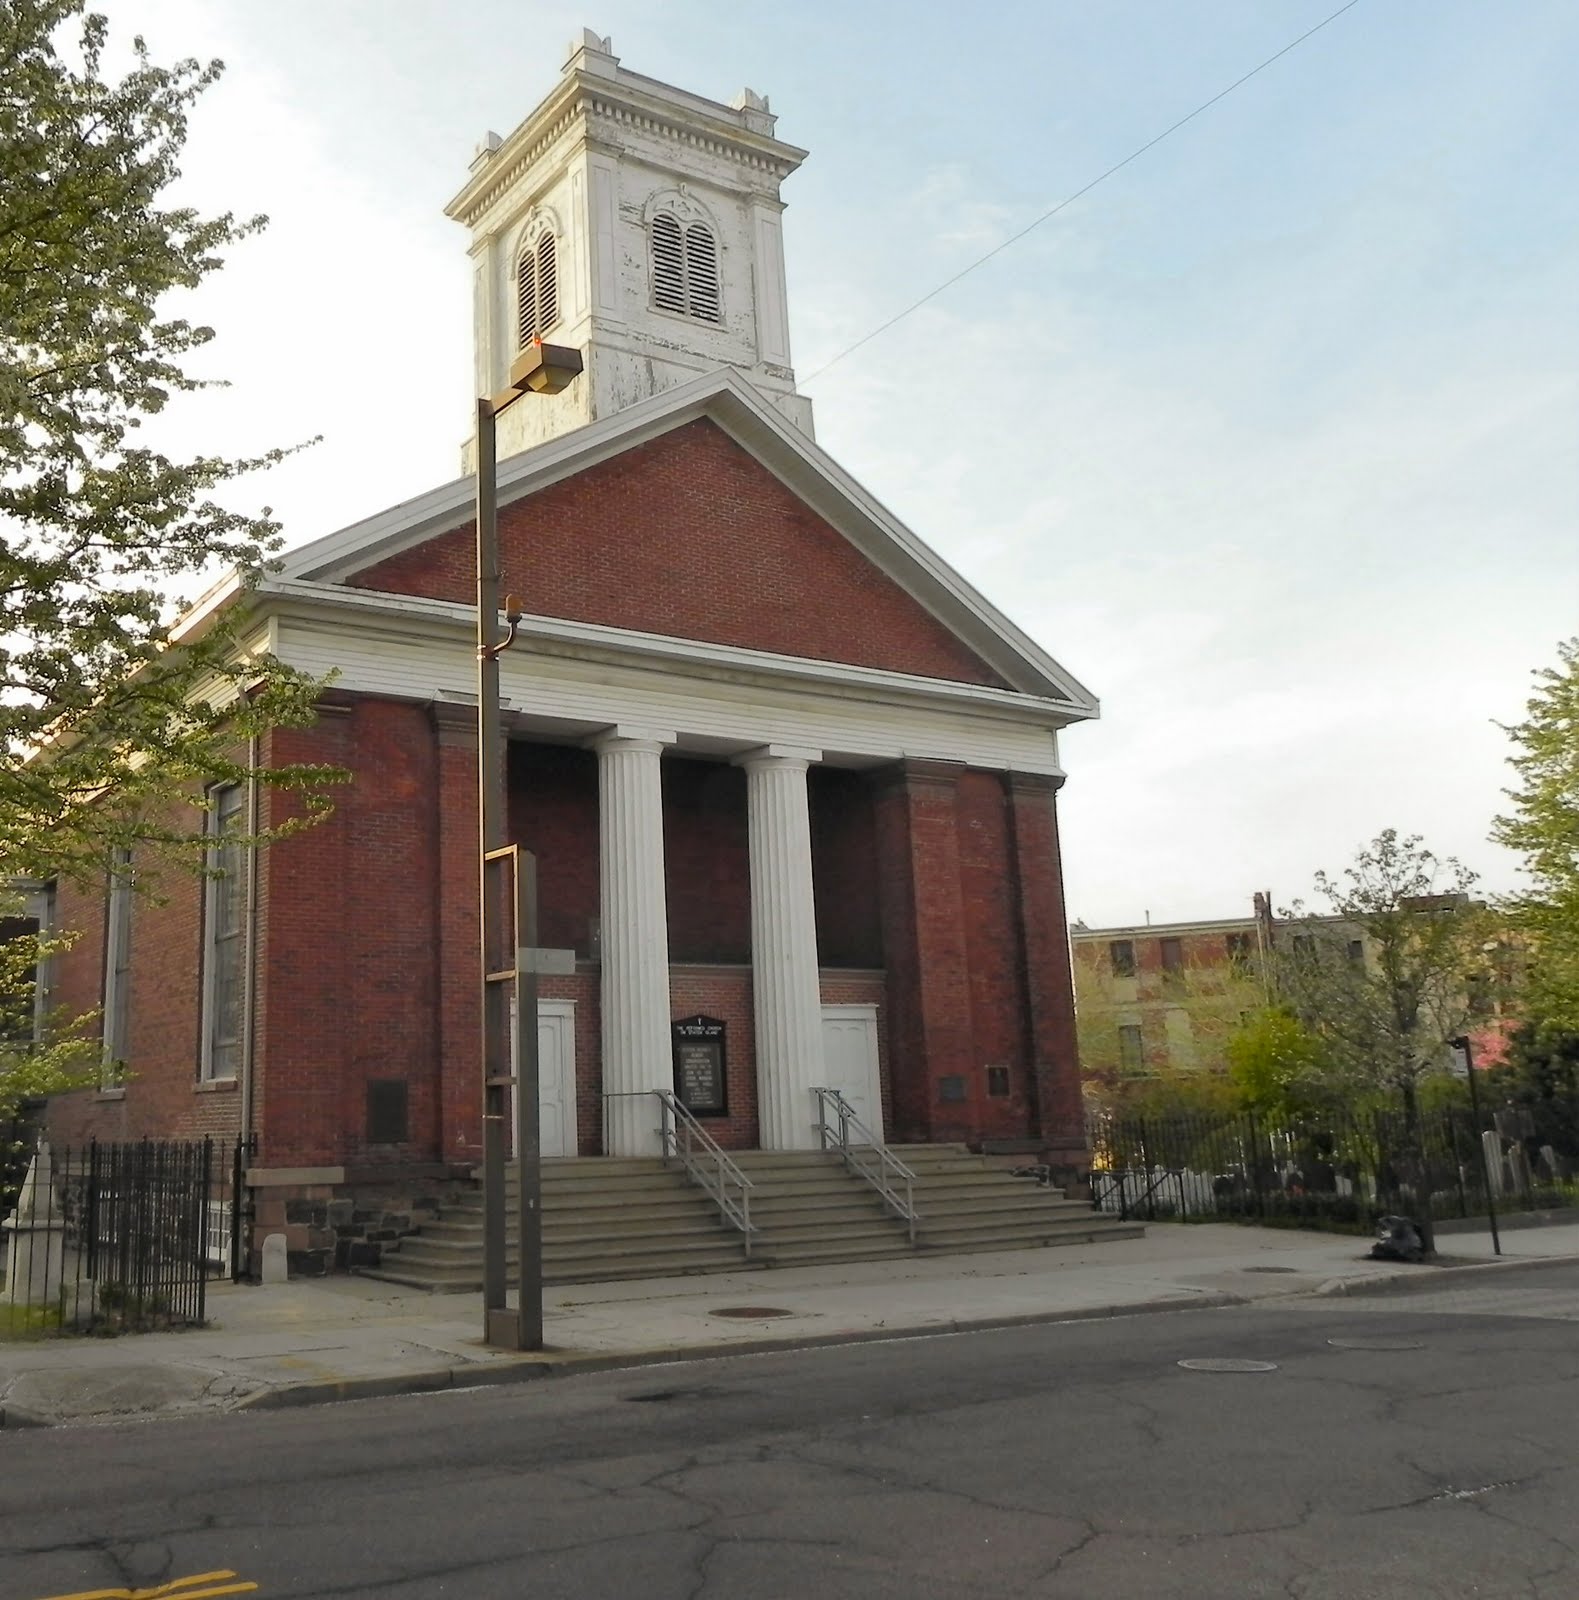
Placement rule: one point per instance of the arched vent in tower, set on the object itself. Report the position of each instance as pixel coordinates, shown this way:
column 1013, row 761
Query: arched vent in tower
column 668, row 264
column 536, row 290
column 684, row 268
column 701, row 273
column 547, row 284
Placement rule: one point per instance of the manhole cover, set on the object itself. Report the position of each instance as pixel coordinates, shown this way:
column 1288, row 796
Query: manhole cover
column 1269, row 1269
column 1376, row 1344
column 1227, row 1364
column 750, row 1311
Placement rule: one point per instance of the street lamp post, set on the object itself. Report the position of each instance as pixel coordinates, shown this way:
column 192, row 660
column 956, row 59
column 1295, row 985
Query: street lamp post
column 508, row 934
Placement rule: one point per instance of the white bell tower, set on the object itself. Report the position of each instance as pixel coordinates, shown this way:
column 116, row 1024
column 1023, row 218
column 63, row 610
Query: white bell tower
column 641, row 225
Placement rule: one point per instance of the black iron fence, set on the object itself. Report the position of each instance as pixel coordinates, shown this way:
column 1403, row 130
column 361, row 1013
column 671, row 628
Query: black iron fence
column 1338, row 1170
column 121, row 1238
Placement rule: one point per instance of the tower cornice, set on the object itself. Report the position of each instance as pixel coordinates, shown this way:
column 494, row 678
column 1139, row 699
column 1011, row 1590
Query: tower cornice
column 604, row 105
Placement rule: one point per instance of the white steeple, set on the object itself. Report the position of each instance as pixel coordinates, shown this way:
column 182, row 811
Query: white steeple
column 640, row 224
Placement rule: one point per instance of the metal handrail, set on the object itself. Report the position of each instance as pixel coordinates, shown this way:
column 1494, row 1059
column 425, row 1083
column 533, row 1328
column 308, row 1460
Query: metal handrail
column 707, row 1164
column 884, row 1173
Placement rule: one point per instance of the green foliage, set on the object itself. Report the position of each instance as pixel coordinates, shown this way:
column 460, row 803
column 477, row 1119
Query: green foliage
column 1544, row 829
column 64, row 1056
column 102, row 536
column 1385, row 1012
column 1277, row 1064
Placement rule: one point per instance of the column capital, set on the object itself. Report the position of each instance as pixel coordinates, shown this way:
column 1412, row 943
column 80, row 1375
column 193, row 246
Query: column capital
column 632, row 736
column 777, row 755
column 1048, row 783
column 915, row 773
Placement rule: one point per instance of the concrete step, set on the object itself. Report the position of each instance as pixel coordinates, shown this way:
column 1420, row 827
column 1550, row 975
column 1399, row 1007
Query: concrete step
column 605, row 1219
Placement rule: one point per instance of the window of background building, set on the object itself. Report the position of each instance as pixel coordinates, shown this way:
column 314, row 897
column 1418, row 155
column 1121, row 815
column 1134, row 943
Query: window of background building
column 224, row 935
column 1241, row 948
column 1172, row 954
column 1121, row 952
column 117, row 968
column 1357, row 951
column 1130, row 1055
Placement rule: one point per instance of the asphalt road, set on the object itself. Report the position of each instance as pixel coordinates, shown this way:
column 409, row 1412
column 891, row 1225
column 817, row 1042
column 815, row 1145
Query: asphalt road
column 1074, row 1460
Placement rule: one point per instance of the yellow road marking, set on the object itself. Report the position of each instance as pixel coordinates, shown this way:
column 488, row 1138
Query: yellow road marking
column 178, row 1589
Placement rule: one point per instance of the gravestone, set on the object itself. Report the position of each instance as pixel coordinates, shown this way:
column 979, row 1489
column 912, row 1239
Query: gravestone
column 275, row 1267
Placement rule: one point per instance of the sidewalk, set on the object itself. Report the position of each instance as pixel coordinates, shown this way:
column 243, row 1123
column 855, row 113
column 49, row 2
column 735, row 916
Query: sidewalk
column 343, row 1338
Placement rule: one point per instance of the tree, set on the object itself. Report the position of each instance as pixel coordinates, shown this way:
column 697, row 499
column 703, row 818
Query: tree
column 1276, row 1064
column 102, row 536
column 109, row 727
column 1544, row 829
column 1391, row 970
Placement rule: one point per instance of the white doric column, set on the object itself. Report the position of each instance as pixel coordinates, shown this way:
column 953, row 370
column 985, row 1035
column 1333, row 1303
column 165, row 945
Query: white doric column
column 788, row 999
column 635, row 935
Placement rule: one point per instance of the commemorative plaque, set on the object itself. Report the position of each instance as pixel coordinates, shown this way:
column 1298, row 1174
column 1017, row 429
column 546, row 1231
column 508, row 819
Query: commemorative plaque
column 699, row 1081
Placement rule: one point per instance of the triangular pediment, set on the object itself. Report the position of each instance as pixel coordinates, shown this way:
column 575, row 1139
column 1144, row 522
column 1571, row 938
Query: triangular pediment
column 703, row 514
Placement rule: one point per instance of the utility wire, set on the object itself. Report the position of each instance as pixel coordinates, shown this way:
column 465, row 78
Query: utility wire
column 1069, row 200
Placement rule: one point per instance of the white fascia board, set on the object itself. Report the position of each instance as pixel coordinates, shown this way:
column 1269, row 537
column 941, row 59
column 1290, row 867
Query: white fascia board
column 198, row 617
column 413, row 616
column 808, row 471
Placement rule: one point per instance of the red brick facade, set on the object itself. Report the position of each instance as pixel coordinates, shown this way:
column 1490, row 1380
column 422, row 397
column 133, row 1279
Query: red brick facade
column 689, row 536
column 937, row 886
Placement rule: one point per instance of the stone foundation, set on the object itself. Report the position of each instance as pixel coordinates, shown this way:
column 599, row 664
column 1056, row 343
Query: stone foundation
column 333, row 1221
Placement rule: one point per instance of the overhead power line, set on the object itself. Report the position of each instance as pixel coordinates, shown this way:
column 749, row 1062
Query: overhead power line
column 1069, row 200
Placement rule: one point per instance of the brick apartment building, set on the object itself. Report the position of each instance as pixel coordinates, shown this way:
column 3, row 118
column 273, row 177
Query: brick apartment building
column 1158, row 999
column 781, row 768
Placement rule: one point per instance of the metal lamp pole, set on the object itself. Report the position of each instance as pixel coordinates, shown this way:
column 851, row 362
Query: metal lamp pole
column 1466, row 1061
column 507, row 894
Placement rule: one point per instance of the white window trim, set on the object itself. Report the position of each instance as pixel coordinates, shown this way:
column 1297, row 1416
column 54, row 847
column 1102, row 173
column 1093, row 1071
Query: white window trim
column 217, row 800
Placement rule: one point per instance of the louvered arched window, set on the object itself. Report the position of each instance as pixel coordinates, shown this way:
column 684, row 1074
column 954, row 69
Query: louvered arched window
column 536, row 290
column 684, row 268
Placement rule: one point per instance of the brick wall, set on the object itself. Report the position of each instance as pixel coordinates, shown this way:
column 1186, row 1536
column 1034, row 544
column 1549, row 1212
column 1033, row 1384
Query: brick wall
column 164, row 1096
column 994, row 959
column 349, row 958
column 688, row 535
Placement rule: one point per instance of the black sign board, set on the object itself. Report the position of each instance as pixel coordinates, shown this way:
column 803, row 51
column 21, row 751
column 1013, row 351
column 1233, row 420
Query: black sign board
column 699, row 1081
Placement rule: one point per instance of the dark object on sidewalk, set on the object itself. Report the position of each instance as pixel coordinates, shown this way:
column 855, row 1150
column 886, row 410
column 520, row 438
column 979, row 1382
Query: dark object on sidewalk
column 1397, row 1239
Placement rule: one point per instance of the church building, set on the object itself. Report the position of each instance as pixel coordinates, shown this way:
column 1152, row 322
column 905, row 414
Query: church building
column 790, row 782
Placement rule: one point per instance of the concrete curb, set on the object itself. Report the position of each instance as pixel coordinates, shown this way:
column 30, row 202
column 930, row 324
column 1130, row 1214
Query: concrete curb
column 1430, row 1275
column 555, row 1365
column 17, row 1417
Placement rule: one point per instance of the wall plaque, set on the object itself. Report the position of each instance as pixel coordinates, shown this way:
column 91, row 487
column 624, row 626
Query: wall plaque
column 700, row 1084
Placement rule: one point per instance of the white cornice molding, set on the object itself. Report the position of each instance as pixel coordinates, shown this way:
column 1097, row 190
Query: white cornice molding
column 728, row 399
column 411, row 618
column 626, row 100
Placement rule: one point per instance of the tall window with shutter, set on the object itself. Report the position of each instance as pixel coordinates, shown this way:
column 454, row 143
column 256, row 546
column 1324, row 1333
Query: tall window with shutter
column 685, row 268
column 536, row 289
column 224, row 934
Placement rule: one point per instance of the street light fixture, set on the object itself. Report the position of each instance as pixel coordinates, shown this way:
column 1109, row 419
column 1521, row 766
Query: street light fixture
column 508, row 940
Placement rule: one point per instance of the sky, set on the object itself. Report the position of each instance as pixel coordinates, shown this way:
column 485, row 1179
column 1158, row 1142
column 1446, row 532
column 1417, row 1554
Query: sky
column 1272, row 439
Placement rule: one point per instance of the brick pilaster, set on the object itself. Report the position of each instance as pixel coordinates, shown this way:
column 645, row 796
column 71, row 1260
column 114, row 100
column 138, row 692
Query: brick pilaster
column 922, row 911
column 1033, row 800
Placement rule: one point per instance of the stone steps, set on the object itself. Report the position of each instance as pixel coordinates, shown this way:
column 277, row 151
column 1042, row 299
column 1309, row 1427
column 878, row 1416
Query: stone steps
column 606, row 1218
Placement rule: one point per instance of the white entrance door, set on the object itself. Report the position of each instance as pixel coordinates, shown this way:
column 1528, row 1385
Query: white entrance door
column 556, row 1088
column 849, row 1061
